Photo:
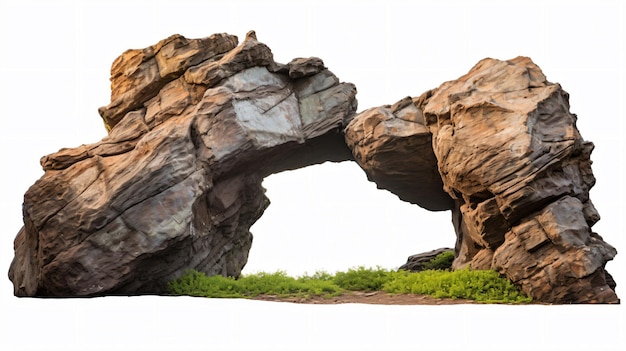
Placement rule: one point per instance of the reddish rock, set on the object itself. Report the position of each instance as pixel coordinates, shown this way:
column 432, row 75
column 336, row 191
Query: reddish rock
column 511, row 157
column 500, row 148
column 394, row 147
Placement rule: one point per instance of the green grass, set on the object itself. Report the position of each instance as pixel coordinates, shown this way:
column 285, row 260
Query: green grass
column 362, row 279
column 481, row 286
column 194, row 283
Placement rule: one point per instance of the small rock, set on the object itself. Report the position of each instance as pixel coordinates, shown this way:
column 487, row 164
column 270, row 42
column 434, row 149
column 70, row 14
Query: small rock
column 415, row 263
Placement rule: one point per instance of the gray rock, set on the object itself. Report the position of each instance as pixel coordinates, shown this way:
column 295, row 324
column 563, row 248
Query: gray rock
column 417, row 263
column 177, row 182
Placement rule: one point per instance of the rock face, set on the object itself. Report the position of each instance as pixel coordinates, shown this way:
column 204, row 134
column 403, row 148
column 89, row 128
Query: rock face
column 515, row 172
column 196, row 124
column 394, row 147
column 510, row 155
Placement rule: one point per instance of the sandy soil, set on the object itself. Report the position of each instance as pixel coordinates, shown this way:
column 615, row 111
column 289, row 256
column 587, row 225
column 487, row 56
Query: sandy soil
column 375, row 297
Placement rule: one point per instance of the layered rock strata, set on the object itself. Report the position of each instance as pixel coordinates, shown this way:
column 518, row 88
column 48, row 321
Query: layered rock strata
column 393, row 145
column 196, row 124
column 510, row 157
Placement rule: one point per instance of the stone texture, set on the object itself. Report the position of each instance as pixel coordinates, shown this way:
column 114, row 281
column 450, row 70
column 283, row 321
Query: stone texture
column 196, row 124
column 394, row 148
column 415, row 263
column 511, row 157
column 498, row 147
column 138, row 75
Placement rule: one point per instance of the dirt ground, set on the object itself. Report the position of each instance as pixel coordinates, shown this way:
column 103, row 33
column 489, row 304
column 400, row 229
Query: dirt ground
column 374, row 297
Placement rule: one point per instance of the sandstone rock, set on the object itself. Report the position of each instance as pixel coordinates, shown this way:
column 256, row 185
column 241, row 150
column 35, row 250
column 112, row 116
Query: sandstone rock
column 500, row 148
column 138, row 75
column 511, row 157
column 394, row 147
column 196, row 124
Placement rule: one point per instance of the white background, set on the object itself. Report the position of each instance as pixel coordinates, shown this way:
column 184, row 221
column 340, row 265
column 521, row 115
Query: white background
column 56, row 57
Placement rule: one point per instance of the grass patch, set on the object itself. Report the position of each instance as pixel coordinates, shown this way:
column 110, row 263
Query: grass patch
column 481, row 286
column 362, row 279
column 194, row 283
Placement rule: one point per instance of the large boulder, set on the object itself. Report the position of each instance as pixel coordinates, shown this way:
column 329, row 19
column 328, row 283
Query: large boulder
column 500, row 148
column 511, row 157
column 195, row 126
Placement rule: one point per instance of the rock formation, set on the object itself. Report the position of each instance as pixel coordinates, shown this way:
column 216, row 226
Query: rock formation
column 510, row 156
column 394, row 147
column 196, row 124
column 423, row 261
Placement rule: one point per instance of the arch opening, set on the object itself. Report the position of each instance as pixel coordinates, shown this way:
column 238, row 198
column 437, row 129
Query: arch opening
column 329, row 217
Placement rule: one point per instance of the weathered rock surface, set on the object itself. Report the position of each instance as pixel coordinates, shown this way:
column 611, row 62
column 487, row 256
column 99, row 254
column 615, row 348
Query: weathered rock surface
column 394, row 147
column 515, row 171
column 196, row 124
column 419, row 262
column 511, row 157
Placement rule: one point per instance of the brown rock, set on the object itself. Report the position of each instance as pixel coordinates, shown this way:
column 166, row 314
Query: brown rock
column 500, row 148
column 196, row 124
column 137, row 75
column 305, row 67
column 511, row 157
column 394, row 147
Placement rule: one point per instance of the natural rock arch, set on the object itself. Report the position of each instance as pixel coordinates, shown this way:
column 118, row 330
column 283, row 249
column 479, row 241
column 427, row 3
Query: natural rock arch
column 195, row 125
column 330, row 217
